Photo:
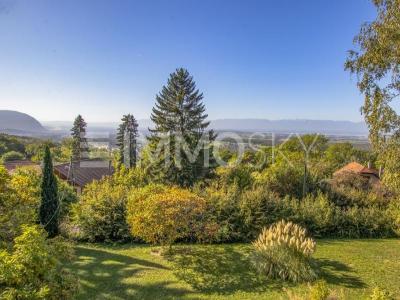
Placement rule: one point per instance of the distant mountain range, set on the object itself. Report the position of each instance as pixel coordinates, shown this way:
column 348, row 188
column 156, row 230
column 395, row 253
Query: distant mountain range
column 292, row 126
column 250, row 125
column 14, row 122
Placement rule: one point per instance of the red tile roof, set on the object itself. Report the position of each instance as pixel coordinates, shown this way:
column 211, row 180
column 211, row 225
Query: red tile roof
column 358, row 169
column 84, row 172
column 11, row 166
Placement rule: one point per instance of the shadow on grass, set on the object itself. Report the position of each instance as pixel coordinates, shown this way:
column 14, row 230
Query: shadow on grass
column 107, row 275
column 220, row 269
column 225, row 270
column 337, row 273
column 217, row 269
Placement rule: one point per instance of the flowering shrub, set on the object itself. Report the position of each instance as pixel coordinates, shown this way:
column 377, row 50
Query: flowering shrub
column 284, row 251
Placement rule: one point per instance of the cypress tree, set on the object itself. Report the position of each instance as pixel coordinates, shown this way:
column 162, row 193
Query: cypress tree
column 49, row 207
column 180, row 127
column 80, row 148
column 127, row 141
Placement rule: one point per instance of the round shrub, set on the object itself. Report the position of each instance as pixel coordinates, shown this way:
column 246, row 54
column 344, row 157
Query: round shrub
column 160, row 214
column 12, row 155
column 283, row 251
column 100, row 214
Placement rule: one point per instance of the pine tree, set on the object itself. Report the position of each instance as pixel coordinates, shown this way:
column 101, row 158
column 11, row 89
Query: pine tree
column 80, row 148
column 127, row 141
column 180, row 127
column 49, row 207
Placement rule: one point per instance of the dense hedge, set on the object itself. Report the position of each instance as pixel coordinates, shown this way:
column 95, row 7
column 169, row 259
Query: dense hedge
column 233, row 214
column 242, row 215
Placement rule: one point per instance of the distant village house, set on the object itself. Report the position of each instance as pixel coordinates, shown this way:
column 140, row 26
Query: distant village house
column 366, row 172
column 77, row 174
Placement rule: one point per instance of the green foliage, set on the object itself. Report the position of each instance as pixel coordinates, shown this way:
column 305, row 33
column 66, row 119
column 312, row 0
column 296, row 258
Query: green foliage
column 319, row 291
column 376, row 62
column 127, row 141
column 65, row 152
column 284, row 252
column 380, row 294
column 50, row 206
column 390, row 159
column 161, row 215
column 241, row 215
column 10, row 143
column 240, row 175
column 12, row 155
column 133, row 177
column 80, row 148
column 100, row 213
column 263, row 157
column 19, row 201
column 322, row 218
column 67, row 196
column 394, row 214
column 35, row 151
column 33, row 268
column 223, row 153
column 313, row 145
column 340, row 154
column 286, row 175
column 222, row 208
column 180, row 147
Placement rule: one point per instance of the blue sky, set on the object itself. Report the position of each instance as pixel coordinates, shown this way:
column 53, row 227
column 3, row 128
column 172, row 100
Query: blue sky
column 251, row 59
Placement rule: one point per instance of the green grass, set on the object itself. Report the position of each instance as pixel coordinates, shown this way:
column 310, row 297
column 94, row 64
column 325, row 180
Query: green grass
column 224, row 271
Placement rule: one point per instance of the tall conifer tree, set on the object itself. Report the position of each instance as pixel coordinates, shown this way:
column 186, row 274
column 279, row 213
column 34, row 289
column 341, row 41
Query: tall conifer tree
column 49, row 206
column 180, row 126
column 80, row 148
column 127, row 141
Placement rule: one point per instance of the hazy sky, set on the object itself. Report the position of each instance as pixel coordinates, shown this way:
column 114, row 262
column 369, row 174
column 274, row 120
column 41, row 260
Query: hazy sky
column 251, row 59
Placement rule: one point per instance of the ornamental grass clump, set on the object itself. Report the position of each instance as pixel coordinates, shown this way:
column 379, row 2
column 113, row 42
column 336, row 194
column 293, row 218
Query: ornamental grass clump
column 283, row 251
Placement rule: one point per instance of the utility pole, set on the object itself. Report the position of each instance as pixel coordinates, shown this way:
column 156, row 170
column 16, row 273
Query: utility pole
column 305, row 189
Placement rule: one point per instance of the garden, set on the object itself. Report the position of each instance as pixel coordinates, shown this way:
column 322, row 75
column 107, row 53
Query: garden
column 186, row 215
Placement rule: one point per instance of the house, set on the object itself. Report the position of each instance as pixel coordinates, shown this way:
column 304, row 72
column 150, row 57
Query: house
column 11, row 166
column 372, row 174
column 79, row 174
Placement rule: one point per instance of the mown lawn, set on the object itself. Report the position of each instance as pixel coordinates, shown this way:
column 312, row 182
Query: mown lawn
column 352, row 267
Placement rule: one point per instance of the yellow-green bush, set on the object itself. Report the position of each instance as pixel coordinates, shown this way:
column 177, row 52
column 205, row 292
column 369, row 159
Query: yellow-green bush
column 161, row 214
column 19, row 201
column 319, row 290
column 100, row 214
column 33, row 268
column 380, row 294
column 283, row 251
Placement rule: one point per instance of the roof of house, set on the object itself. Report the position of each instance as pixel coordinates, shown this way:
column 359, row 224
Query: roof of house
column 11, row 166
column 84, row 172
column 358, row 169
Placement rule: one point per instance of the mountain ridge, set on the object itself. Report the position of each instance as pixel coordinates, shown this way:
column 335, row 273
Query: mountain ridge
column 15, row 121
column 250, row 124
